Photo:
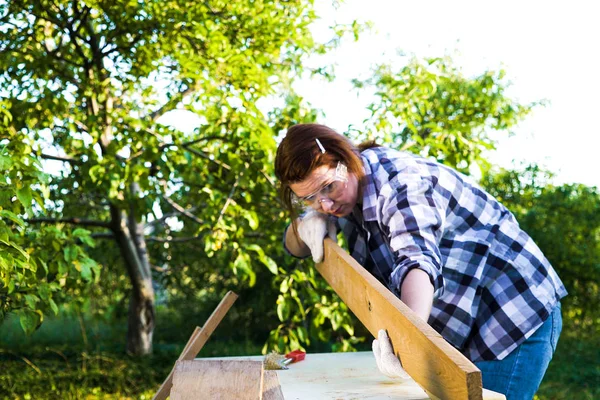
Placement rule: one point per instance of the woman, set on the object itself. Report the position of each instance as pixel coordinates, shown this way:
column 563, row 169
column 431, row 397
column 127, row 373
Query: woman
column 444, row 246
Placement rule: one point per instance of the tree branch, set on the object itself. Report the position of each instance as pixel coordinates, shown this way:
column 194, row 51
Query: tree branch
column 81, row 126
column 103, row 235
column 203, row 155
column 73, row 35
column 183, row 211
column 74, row 220
column 58, row 158
column 268, row 178
column 203, row 139
column 162, row 219
column 173, row 240
column 228, row 201
column 82, row 16
column 171, row 104
column 174, row 144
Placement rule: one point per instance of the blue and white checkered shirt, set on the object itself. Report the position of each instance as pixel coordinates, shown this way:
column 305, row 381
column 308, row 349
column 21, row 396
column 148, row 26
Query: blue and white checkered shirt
column 493, row 287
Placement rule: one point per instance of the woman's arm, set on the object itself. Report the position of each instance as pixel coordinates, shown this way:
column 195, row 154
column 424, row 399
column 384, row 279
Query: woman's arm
column 415, row 220
column 417, row 293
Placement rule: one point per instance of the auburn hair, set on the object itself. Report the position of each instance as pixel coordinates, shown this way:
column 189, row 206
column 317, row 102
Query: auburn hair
column 299, row 154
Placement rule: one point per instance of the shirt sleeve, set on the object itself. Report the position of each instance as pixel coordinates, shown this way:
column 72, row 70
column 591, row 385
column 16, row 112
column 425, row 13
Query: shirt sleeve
column 414, row 221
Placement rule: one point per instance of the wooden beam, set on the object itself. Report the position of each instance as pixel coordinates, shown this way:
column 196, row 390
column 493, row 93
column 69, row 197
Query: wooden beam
column 218, row 380
column 198, row 340
column 432, row 362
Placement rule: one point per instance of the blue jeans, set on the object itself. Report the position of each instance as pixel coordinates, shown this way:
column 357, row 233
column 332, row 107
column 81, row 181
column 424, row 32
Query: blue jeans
column 519, row 374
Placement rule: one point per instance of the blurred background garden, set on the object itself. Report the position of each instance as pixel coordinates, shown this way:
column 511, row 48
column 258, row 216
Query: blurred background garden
column 137, row 142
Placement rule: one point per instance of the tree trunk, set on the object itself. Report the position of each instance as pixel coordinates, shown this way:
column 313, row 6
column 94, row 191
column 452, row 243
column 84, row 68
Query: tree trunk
column 129, row 235
column 140, row 325
column 128, row 232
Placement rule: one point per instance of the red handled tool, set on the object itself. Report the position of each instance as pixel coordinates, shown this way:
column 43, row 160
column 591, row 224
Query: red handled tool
column 294, row 356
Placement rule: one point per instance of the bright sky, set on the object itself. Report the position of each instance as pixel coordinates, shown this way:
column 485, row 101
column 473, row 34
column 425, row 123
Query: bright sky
column 550, row 50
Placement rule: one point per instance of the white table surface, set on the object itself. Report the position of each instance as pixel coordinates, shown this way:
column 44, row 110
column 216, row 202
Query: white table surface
column 346, row 376
column 341, row 376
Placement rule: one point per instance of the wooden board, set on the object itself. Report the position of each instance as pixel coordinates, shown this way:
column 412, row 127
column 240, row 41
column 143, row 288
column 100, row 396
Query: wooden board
column 431, row 361
column 217, row 379
column 345, row 376
column 198, row 340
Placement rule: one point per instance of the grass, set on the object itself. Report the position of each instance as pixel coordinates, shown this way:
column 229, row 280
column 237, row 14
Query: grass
column 64, row 361
column 574, row 372
column 69, row 358
column 53, row 374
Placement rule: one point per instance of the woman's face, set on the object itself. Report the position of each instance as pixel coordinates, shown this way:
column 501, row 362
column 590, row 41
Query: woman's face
column 338, row 202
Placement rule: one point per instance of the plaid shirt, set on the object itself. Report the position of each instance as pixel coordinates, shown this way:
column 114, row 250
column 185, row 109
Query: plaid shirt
column 493, row 287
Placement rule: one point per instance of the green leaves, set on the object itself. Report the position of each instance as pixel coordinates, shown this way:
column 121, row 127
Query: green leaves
column 30, row 320
column 242, row 265
column 13, row 217
column 564, row 221
column 16, row 247
column 97, row 172
column 309, row 310
column 283, row 308
column 84, row 236
column 25, row 197
column 266, row 260
column 429, row 107
column 37, row 264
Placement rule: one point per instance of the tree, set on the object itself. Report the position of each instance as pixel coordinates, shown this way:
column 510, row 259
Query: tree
column 564, row 221
column 88, row 83
column 431, row 108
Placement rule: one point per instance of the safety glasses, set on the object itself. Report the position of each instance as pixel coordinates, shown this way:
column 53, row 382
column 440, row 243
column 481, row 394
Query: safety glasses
column 335, row 183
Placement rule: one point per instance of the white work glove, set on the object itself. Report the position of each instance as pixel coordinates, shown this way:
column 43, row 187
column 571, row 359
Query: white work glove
column 387, row 362
column 312, row 230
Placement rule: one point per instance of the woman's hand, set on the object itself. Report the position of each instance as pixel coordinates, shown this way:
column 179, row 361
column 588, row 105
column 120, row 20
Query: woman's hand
column 387, row 362
column 312, row 230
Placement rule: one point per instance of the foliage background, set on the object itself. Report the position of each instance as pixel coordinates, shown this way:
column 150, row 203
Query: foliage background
column 205, row 202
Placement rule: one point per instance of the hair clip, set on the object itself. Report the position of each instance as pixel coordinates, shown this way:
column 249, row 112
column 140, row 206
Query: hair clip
column 320, row 146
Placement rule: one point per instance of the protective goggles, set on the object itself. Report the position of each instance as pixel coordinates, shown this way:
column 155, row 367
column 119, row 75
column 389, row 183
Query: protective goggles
column 336, row 181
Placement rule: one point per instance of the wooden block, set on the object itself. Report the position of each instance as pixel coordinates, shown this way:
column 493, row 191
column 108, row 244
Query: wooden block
column 271, row 386
column 217, row 379
column 432, row 362
column 198, row 340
